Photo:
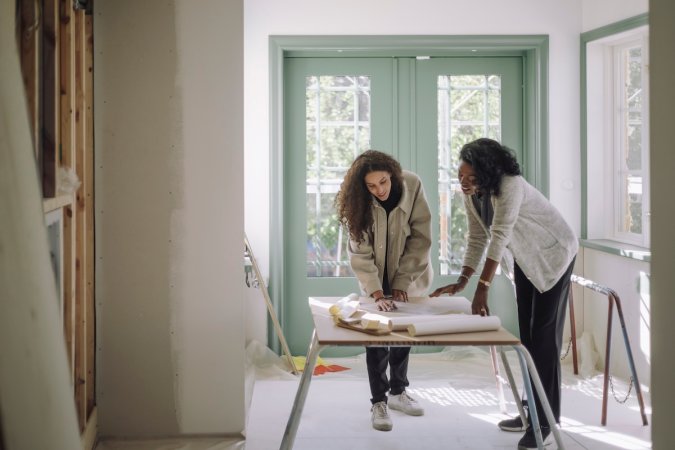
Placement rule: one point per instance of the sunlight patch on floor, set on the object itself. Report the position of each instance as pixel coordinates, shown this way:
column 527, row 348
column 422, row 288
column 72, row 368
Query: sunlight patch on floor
column 601, row 434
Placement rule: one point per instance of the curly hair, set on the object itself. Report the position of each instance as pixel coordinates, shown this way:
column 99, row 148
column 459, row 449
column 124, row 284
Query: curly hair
column 490, row 161
column 353, row 200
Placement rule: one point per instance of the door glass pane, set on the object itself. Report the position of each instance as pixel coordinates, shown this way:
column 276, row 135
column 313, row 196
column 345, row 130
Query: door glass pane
column 469, row 107
column 338, row 129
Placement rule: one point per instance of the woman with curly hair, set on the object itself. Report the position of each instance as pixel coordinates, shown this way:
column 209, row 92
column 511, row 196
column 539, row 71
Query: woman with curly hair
column 506, row 213
column 389, row 223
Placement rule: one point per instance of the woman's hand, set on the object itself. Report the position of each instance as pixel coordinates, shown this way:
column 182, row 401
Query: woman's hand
column 399, row 296
column 385, row 304
column 480, row 301
column 451, row 289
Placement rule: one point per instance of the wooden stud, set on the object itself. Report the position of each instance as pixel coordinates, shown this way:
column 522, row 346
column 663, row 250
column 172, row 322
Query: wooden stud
column 49, row 85
column 29, row 44
column 90, row 431
column 66, row 78
column 80, row 285
column 88, row 192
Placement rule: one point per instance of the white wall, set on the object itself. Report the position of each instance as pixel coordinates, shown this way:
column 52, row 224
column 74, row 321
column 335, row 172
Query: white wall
column 169, row 216
column 598, row 13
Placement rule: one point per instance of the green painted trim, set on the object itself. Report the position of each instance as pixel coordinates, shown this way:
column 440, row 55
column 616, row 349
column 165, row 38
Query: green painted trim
column 583, row 135
column 395, row 107
column 618, row 248
column 535, row 111
column 535, row 107
column 615, row 28
column 585, row 38
column 402, row 46
column 276, row 265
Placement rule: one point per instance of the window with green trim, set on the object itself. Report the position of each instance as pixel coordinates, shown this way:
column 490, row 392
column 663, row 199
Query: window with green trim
column 617, row 137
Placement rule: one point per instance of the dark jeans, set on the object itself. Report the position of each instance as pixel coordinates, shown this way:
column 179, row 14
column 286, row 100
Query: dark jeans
column 377, row 360
column 541, row 317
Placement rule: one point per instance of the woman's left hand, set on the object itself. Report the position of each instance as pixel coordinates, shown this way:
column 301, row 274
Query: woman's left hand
column 385, row 304
column 399, row 296
column 480, row 302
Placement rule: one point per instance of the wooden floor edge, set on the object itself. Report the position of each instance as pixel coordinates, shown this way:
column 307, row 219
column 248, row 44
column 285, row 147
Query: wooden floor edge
column 90, row 431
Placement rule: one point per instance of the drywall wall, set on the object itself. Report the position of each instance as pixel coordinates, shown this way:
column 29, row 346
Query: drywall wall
column 169, row 216
column 662, row 166
column 36, row 398
column 598, row 13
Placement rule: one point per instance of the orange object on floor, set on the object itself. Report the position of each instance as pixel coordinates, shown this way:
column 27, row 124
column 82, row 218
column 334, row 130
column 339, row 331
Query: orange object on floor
column 321, row 366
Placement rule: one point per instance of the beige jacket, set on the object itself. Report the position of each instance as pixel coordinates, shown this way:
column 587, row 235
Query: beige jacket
column 528, row 225
column 407, row 247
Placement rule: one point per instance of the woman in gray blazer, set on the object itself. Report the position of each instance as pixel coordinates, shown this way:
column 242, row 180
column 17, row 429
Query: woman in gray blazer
column 389, row 223
column 505, row 213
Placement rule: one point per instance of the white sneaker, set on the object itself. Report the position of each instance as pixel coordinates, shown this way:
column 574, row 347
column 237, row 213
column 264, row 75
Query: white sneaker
column 380, row 417
column 405, row 403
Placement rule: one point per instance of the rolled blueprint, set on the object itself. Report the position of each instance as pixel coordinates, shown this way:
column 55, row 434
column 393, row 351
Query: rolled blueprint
column 371, row 321
column 401, row 323
column 458, row 323
column 345, row 307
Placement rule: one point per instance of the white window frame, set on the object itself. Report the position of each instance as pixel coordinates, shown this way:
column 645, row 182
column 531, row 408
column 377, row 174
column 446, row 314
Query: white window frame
column 605, row 137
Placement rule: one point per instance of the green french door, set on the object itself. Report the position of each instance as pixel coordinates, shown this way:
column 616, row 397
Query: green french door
column 420, row 110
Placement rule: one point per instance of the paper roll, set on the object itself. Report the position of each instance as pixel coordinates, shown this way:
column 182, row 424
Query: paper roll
column 401, row 323
column 345, row 307
column 454, row 324
column 371, row 321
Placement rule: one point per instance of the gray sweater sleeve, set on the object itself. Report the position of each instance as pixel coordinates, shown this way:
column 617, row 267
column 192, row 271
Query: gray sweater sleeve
column 506, row 212
column 477, row 237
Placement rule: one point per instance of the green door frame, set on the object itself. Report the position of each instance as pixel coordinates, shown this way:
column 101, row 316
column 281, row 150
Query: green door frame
column 533, row 48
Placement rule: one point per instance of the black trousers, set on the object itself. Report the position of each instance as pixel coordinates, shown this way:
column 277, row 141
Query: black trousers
column 541, row 317
column 377, row 360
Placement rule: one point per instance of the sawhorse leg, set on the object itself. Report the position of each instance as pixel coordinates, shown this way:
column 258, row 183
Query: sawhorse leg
column 613, row 299
column 301, row 394
column 498, row 379
column 514, row 389
column 530, row 373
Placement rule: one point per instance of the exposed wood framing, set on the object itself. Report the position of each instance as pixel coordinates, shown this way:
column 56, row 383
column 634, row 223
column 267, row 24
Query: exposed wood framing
column 89, row 435
column 88, row 195
column 56, row 46
column 49, row 99
column 80, row 245
column 29, row 14
column 67, row 160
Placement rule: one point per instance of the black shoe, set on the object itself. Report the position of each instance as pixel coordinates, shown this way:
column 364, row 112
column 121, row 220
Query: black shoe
column 528, row 441
column 515, row 424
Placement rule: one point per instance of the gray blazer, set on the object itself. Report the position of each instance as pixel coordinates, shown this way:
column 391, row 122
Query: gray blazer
column 408, row 244
column 529, row 226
